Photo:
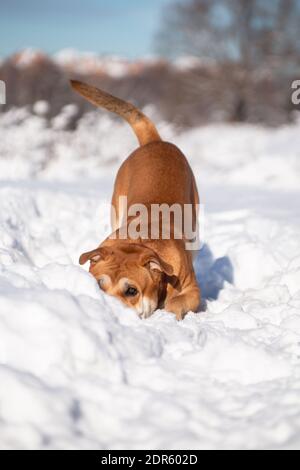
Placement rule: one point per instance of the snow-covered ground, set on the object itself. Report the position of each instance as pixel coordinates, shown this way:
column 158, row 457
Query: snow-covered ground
column 77, row 369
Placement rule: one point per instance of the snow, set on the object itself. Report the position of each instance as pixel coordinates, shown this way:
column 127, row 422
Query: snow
column 26, row 57
column 89, row 62
column 115, row 66
column 192, row 62
column 77, row 369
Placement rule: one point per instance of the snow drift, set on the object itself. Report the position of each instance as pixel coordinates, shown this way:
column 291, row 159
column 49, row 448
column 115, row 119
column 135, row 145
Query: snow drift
column 77, row 369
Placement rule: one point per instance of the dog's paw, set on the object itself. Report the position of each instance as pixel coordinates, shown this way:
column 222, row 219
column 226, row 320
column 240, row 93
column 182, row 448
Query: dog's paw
column 188, row 301
column 176, row 306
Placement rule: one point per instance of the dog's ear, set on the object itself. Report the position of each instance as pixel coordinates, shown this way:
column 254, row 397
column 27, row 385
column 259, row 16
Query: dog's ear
column 93, row 256
column 155, row 263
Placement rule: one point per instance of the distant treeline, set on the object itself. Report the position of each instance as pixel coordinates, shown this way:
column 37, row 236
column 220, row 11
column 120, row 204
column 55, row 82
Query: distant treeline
column 188, row 95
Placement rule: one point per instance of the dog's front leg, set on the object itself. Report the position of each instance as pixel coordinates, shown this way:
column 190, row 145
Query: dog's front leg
column 187, row 301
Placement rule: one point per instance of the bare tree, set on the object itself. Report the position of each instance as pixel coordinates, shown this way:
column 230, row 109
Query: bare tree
column 248, row 39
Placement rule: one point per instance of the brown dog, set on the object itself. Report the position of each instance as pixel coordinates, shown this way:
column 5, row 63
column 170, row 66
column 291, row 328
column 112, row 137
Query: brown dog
column 146, row 273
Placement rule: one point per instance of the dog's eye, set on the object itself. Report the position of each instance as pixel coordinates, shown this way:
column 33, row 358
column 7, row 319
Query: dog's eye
column 131, row 292
column 101, row 283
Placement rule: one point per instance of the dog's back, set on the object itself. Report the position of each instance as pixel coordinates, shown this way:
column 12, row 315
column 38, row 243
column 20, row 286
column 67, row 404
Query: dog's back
column 157, row 173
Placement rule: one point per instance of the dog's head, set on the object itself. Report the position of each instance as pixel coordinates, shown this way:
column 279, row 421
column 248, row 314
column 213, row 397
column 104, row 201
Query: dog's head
column 133, row 273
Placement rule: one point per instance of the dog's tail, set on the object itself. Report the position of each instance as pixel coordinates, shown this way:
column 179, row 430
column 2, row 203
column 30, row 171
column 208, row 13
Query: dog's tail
column 144, row 129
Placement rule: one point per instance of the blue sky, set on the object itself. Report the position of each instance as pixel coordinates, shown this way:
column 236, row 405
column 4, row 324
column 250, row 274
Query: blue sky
column 122, row 27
